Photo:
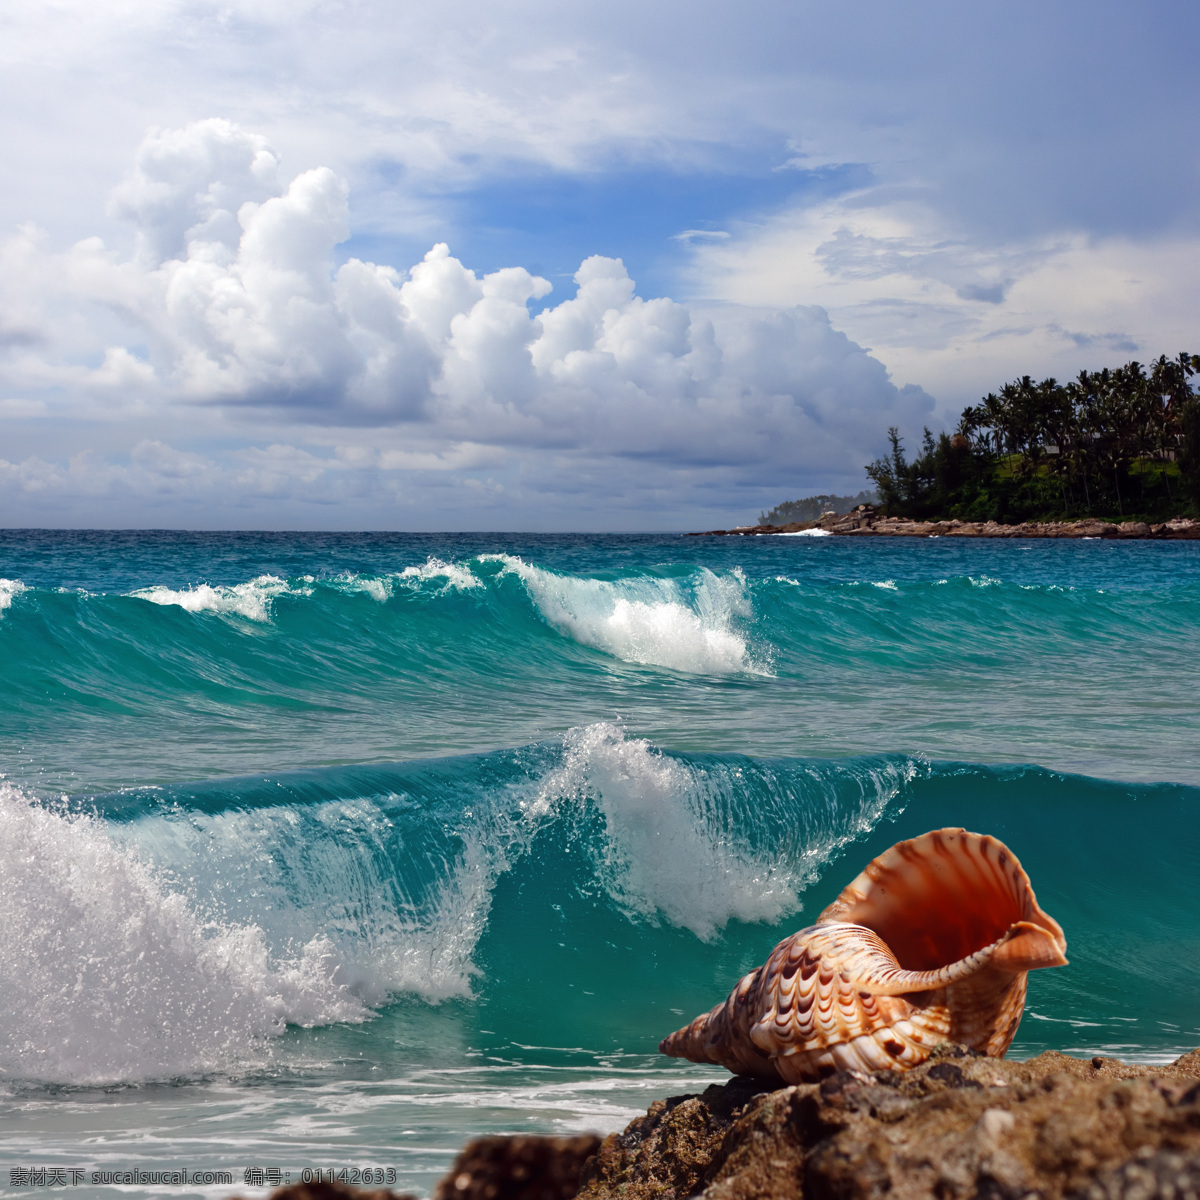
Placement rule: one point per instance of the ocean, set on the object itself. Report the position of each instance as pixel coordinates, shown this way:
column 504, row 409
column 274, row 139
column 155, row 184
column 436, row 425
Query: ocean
column 325, row 852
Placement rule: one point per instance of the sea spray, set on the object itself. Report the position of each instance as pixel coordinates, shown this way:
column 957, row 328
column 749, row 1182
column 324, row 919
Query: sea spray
column 9, row 590
column 110, row 974
column 678, row 843
column 252, row 599
column 449, row 575
column 192, row 924
column 687, row 626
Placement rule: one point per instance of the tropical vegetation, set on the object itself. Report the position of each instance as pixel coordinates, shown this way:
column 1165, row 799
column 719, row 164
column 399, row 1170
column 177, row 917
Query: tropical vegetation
column 1117, row 443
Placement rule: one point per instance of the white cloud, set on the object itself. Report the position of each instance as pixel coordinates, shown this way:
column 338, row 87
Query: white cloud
column 232, row 302
column 188, row 185
column 1031, row 208
column 963, row 315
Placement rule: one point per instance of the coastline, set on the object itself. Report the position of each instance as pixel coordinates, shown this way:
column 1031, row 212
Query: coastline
column 865, row 521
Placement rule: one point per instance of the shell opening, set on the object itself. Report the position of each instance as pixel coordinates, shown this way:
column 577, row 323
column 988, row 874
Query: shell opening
column 941, row 897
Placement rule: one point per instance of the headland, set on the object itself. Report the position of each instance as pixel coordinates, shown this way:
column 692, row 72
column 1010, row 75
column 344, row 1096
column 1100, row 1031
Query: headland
column 866, row 521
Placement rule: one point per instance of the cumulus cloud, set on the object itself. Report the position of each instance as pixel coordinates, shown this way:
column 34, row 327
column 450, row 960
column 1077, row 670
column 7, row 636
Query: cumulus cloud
column 233, row 299
column 963, row 315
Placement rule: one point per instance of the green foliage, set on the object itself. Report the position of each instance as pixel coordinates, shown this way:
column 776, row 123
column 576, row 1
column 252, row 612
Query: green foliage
column 1123, row 443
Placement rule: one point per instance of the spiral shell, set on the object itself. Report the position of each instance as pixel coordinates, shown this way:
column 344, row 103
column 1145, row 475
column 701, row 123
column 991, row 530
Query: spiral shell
column 933, row 942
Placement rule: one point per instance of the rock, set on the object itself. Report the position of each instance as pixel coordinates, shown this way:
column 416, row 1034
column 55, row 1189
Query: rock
column 518, row 1168
column 1082, row 529
column 668, row 1151
column 1181, row 528
column 860, row 518
column 865, row 521
column 333, row 1191
column 1161, row 1176
column 959, row 1127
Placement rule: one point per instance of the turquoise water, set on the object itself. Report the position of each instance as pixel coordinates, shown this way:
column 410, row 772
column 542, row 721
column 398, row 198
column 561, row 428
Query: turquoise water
column 332, row 850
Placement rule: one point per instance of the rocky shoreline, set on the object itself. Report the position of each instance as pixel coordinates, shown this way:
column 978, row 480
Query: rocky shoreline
column 865, row 521
column 958, row 1127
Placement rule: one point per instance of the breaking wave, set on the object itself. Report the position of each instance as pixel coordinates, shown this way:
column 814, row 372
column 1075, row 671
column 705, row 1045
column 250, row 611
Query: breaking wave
column 251, row 600
column 688, row 624
column 9, row 590
column 590, row 882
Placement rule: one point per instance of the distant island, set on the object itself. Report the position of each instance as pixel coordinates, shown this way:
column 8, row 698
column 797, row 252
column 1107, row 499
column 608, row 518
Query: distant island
column 1118, row 448
column 811, row 507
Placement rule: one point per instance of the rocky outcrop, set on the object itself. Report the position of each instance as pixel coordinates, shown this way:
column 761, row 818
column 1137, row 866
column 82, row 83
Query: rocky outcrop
column 488, row 1168
column 960, row 1127
column 865, row 521
column 518, row 1168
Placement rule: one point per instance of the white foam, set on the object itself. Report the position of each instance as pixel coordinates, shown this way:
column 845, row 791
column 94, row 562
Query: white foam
column 456, row 576
column 377, row 589
column 380, row 590
column 325, row 870
column 805, row 533
column 667, row 854
column 252, row 599
column 9, row 590
column 659, row 622
column 111, row 971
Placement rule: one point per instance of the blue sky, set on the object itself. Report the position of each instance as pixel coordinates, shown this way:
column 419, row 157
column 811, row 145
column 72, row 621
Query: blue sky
column 310, row 265
column 648, row 215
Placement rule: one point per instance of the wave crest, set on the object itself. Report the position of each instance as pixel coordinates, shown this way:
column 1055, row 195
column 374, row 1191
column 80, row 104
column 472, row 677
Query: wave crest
column 663, row 854
column 9, row 590
column 251, row 600
column 688, row 625
column 96, row 938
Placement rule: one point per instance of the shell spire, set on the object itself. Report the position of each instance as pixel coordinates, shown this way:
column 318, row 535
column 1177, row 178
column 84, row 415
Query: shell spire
column 933, row 942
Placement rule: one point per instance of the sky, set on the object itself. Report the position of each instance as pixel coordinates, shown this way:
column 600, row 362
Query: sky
column 524, row 265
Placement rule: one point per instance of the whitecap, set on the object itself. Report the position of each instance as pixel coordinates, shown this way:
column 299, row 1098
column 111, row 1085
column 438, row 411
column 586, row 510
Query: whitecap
column 10, row 589
column 685, row 625
column 664, row 858
column 455, row 575
column 380, row 590
column 251, row 600
column 112, row 969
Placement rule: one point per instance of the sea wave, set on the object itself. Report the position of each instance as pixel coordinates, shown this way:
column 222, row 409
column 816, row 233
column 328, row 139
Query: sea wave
column 161, row 932
column 587, row 889
column 687, row 625
column 251, row 599
column 452, row 654
column 110, row 973
column 455, row 576
column 10, row 589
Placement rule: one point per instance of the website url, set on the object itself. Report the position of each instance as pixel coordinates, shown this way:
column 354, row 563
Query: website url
column 48, row 1177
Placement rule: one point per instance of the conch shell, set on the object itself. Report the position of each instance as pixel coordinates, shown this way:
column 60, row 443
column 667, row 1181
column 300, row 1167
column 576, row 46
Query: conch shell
column 931, row 943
